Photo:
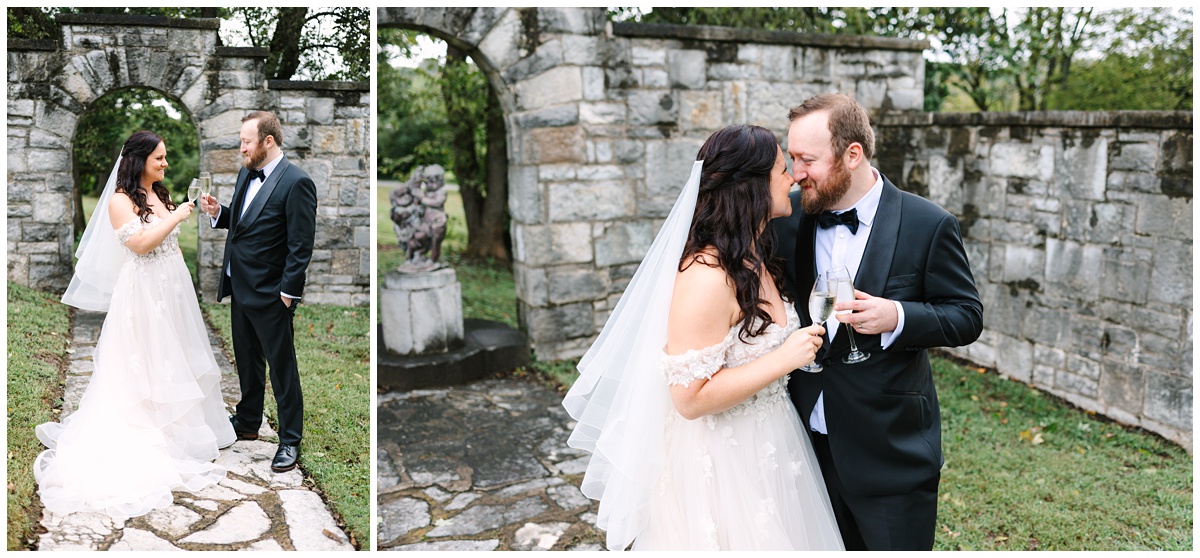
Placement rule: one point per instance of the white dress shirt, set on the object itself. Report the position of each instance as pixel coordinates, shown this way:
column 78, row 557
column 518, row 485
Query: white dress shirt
column 837, row 246
column 254, row 186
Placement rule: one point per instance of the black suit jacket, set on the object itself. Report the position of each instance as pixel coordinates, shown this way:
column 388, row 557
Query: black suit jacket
column 268, row 248
column 882, row 415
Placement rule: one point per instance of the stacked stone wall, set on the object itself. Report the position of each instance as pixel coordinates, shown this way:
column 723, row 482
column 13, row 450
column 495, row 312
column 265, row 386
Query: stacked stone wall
column 51, row 84
column 326, row 132
column 1078, row 226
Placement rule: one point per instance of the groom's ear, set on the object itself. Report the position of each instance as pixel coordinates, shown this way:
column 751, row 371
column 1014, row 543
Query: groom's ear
column 853, row 155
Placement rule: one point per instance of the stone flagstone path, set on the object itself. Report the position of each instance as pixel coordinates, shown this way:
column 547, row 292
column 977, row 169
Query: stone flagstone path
column 484, row 466
column 251, row 509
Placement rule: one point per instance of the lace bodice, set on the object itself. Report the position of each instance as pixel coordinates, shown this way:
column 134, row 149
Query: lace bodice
column 168, row 248
column 701, row 364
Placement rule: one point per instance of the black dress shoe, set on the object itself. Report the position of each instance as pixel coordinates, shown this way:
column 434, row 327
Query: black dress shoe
column 242, row 434
column 286, row 458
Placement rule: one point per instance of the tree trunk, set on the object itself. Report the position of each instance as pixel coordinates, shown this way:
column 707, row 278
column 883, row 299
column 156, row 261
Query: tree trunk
column 490, row 243
column 284, row 59
column 78, row 222
column 466, row 162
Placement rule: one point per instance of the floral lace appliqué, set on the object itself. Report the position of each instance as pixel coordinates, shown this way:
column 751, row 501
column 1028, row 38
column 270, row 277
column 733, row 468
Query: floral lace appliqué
column 697, row 364
column 702, row 364
column 167, row 249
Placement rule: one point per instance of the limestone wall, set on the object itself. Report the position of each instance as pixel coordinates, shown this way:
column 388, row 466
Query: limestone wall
column 326, row 132
column 1078, row 226
column 51, row 84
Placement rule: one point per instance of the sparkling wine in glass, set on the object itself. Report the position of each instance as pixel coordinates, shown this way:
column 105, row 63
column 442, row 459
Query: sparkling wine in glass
column 840, row 277
column 193, row 190
column 205, row 183
column 820, row 307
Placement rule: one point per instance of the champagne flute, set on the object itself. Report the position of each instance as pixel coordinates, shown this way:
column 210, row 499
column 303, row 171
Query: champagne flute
column 206, row 183
column 840, row 276
column 820, row 307
column 193, row 190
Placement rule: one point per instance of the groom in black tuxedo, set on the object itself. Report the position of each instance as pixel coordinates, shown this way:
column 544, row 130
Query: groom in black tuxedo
column 875, row 425
column 271, row 222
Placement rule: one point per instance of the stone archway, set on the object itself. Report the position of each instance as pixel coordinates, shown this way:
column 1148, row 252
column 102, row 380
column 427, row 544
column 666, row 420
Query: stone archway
column 52, row 83
column 604, row 120
column 93, row 153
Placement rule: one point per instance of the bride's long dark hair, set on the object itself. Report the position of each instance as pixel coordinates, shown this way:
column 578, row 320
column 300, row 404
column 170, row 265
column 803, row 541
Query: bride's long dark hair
column 137, row 148
column 733, row 209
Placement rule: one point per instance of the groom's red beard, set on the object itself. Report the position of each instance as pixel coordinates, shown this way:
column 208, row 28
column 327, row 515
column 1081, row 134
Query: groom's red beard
column 255, row 159
column 816, row 197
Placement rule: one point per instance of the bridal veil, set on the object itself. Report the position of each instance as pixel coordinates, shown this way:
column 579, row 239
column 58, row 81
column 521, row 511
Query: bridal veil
column 100, row 256
column 621, row 399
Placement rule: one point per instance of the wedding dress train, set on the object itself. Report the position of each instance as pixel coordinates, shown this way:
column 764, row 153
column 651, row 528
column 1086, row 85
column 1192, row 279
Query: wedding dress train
column 152, row 418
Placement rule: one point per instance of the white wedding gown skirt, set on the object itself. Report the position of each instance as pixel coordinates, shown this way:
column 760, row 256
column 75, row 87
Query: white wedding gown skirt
column 152, row 418
column 743, row 479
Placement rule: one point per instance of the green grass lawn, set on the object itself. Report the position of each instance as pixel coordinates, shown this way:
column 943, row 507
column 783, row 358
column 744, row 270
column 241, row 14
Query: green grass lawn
column 38, row 336
column 333, row 348
column 1027, row 471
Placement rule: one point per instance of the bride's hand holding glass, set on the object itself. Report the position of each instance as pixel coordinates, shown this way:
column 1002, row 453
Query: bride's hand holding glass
column 183, row 211
column 800, row 348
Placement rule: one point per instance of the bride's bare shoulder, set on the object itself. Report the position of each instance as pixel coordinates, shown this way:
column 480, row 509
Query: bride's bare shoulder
column 120, row 209
column 702, row 270
column 707, row 257
column 702, row 279
column 703, row 305
column 120, row 198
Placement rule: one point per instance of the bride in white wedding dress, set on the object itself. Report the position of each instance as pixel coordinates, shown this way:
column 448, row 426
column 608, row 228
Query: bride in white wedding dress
column 152, row 419
column 683, row 399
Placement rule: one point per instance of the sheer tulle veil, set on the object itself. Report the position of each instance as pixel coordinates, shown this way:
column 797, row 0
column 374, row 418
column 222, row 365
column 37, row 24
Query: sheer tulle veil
column 100, row 256
column 621, row 400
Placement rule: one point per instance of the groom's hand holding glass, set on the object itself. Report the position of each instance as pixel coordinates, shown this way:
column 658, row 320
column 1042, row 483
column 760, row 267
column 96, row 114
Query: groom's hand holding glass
column 872, row 315
column 209, row 205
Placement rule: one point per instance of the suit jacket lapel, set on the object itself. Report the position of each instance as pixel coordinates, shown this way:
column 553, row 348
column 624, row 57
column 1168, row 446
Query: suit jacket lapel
column 264, row 192
column 881, row 247
column 239, row 198
column 806, row 274
column 806, row 263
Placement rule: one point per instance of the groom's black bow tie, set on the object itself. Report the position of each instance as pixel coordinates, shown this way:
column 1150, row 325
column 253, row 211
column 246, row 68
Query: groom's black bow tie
column 830, row 219
column 262, row 176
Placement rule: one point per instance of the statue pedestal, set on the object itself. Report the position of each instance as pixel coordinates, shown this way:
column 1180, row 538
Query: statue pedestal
column 421, row 313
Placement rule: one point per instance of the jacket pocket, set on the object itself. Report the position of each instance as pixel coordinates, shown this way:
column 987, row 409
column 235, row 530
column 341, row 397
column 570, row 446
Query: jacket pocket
column 916, row 410
column 901, row 287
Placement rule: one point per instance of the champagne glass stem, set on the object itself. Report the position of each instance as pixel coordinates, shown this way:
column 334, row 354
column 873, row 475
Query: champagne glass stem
column 846, row 293
column 855, row 355
column 850, row 338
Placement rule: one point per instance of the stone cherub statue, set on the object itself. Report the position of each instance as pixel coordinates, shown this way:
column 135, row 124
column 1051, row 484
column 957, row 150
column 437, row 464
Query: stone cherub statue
column 419, row 218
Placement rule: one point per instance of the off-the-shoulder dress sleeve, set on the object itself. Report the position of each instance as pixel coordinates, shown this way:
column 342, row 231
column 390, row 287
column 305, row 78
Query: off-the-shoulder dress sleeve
column 128, row 230
column 696, row 364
